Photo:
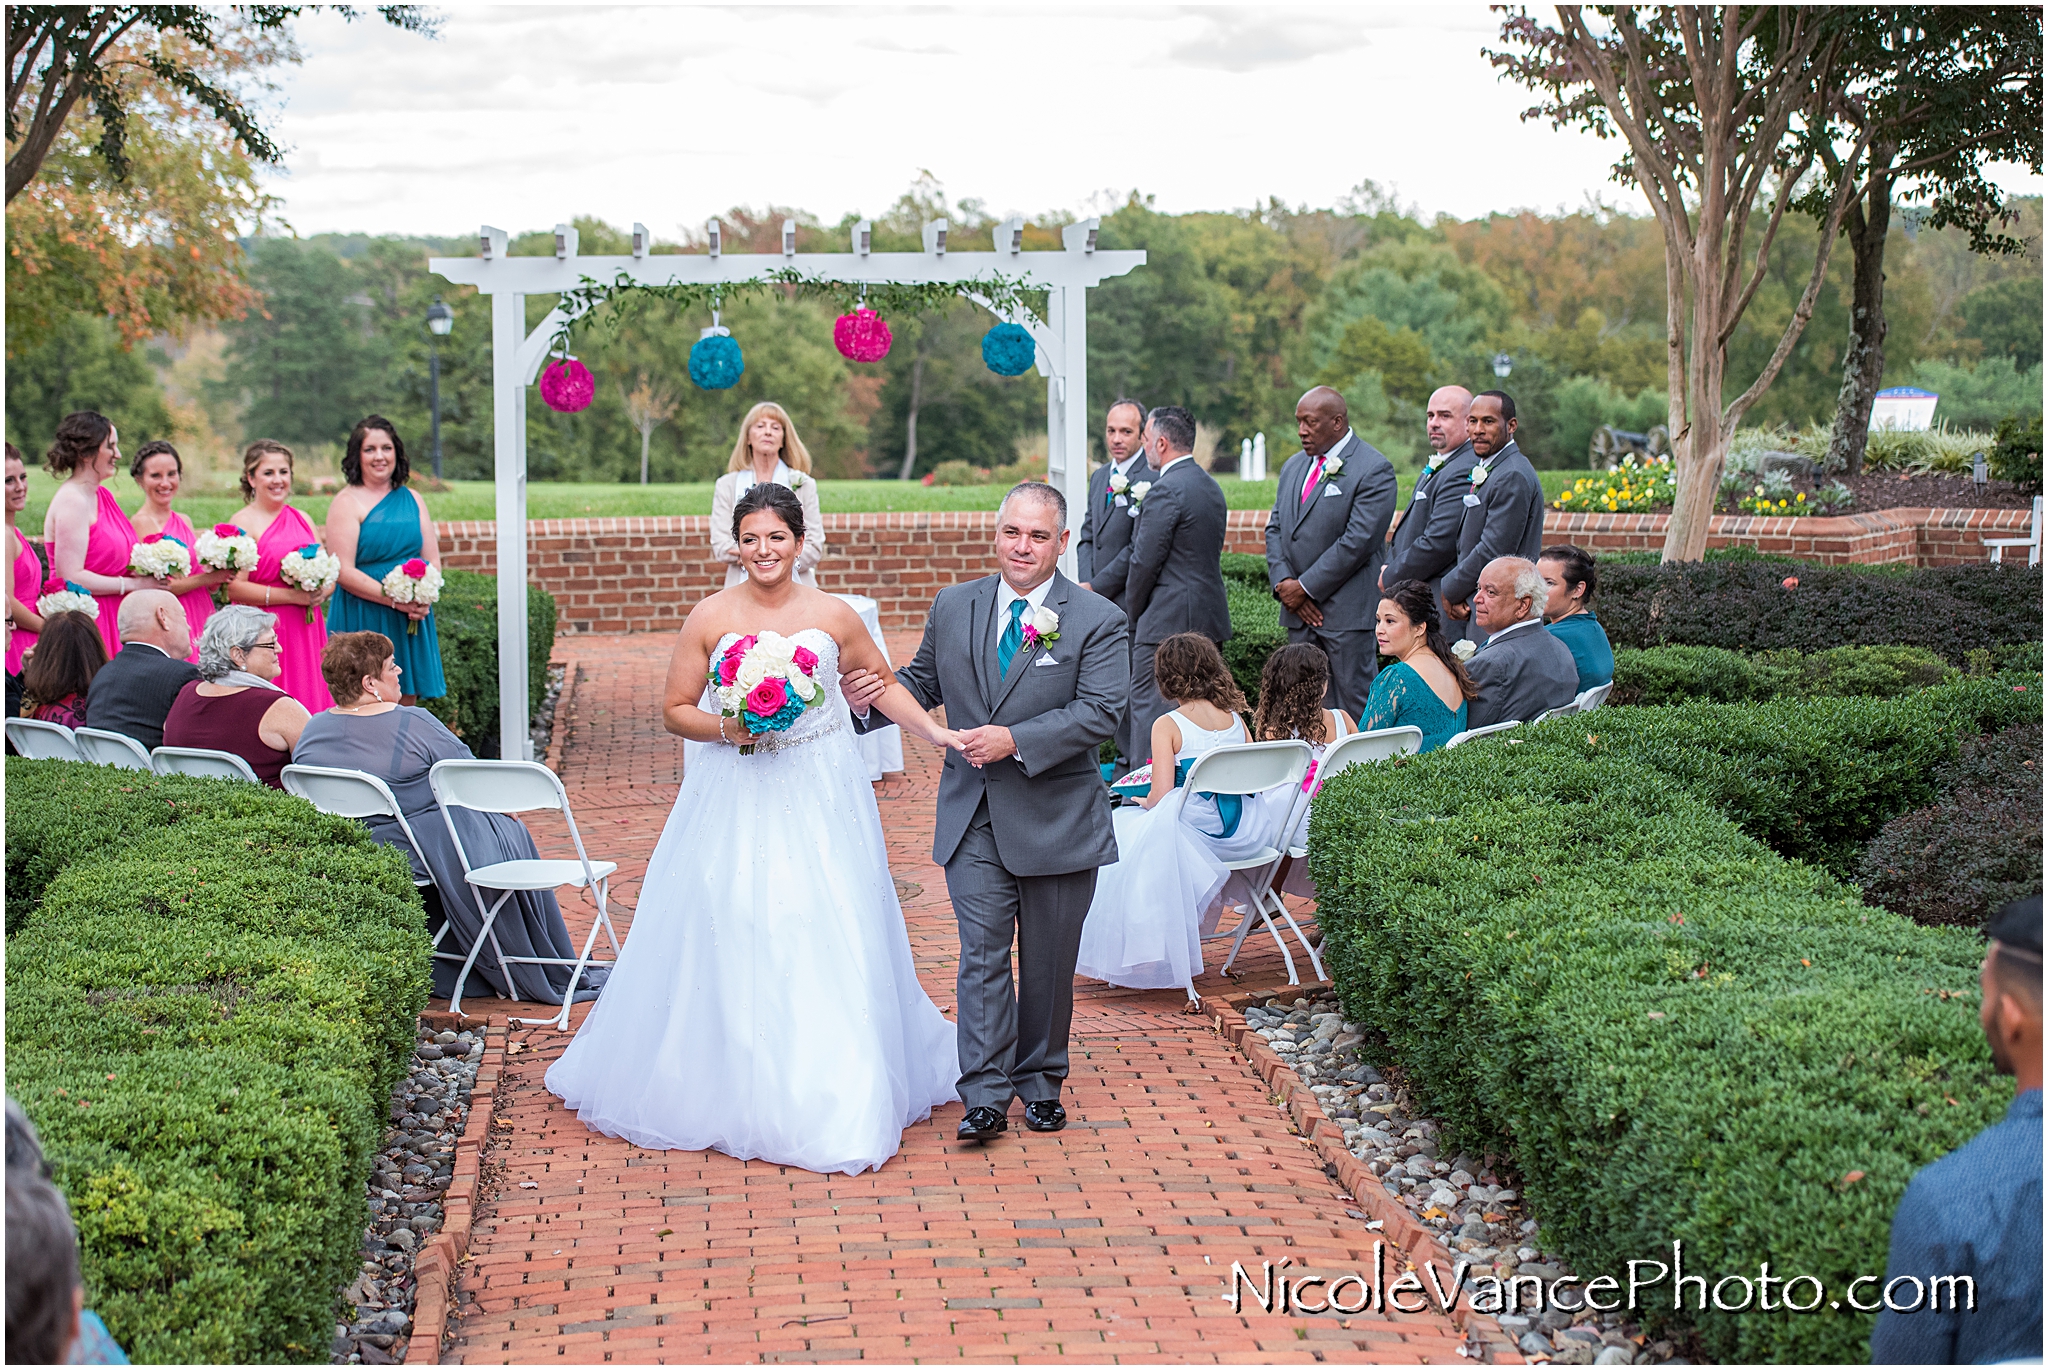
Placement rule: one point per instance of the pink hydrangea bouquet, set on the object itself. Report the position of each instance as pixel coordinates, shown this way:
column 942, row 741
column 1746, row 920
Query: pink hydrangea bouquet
column 413, row 582
column 159, row 557
column 766, row 681
column 224, row 547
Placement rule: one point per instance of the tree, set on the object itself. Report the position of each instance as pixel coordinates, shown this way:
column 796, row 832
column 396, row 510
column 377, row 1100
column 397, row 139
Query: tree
column 308, row 364
column 1935, row 92
column 1714, row 103
column 82, row 365
column 648, row 407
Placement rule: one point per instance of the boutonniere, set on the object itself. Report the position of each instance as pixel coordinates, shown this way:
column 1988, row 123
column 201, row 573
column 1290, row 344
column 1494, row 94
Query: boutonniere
column 1479, row 474
column 1333, row 467
column 1043, row 626
column 1463, row 648
column 798, row 480
column 1118, row 482
column 1138, row 493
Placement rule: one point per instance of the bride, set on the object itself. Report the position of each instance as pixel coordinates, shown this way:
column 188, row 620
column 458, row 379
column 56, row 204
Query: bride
column 765, row 1004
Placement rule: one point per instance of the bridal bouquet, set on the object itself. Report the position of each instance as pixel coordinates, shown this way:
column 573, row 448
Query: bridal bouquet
column 61, row 596
column 766, row 681
column 311, row 569
column 413, row 582
column 227, row 548
column 158, row 557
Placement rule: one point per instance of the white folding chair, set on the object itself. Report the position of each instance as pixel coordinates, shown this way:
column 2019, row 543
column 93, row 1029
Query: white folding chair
column 41, row 741
column 202, row 761
column 1560, row 711
column 1471, row 733
column 1593, row 698
column 1380, row 744
column 1249, row 768
column 103, row 748
column 2032, row 542
column 511, row 787
column 360, row 795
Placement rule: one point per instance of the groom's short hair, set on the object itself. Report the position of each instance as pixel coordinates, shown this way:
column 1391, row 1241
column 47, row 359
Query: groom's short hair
column 1039, row 491
column 1176, row 425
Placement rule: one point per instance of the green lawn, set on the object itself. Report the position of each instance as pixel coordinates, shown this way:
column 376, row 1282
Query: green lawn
column 474, row 499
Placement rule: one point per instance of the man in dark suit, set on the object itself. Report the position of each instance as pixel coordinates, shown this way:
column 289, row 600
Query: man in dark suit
column 1523, row 670
column 1102, row 553
column 1426, row 539
column 1326, row 541
column 134, row 692
column 1175, row 583
column 1503, row 505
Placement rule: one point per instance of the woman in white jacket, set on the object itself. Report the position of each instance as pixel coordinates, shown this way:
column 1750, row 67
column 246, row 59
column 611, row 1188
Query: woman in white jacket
column 767, row 449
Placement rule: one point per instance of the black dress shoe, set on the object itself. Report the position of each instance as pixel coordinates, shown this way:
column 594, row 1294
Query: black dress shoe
column 1045, row 1116
column 982, row 1125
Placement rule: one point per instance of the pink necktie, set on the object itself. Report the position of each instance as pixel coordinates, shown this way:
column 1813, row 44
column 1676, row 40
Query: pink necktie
column 1313, row 476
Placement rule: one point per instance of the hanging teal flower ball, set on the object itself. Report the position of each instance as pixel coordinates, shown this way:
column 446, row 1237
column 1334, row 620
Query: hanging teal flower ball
column 715, row 361
column 1008, row 349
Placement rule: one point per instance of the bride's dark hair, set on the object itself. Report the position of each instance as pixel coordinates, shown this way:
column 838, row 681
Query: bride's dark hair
column 778, row 500
column 1418, row 605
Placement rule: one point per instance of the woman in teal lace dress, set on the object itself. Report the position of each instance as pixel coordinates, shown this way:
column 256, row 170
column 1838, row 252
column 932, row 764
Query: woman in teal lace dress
column 375, row 524
column 1419, row 689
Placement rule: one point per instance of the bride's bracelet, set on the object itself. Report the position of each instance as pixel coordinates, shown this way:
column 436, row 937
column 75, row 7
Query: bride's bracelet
column 721, row 731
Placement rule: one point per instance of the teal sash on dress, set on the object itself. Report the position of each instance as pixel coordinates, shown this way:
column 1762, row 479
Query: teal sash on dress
column 1229, row 807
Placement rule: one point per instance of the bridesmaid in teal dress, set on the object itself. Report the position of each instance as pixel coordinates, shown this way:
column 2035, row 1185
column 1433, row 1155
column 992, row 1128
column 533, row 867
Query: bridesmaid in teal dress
column 1424, row 682
column 374, row 524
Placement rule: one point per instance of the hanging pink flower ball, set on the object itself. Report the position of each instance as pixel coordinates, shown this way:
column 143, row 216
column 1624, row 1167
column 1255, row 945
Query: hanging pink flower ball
column 862, row 336
column 566, row 386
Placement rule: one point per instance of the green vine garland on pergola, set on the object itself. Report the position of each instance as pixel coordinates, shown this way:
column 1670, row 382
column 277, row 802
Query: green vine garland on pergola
column 1005, row 296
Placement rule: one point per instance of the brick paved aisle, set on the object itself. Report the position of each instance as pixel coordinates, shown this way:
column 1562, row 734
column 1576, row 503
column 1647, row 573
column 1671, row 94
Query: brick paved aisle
column 1109, row 1241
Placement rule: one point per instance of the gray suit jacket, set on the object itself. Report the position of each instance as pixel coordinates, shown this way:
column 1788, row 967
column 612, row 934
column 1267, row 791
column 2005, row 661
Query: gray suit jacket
column 1060, row 701
column 1176, row 577
column 1333, row 543
column 133, row 693
column 1426, row 543
column 1519, row 676
column 1503, row 518
column 1102, row 553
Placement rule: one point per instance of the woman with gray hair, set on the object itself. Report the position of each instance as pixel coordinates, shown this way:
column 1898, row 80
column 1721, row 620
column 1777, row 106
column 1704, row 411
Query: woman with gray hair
column 234, row 706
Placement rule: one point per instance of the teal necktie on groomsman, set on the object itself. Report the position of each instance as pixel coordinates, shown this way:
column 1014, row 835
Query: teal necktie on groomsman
column 1013, row 637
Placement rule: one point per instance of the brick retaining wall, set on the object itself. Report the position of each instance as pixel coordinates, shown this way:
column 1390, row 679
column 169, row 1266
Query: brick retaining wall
column 644, row 574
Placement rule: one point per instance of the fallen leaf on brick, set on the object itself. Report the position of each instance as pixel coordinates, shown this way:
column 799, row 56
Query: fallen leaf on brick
column 529, row 1184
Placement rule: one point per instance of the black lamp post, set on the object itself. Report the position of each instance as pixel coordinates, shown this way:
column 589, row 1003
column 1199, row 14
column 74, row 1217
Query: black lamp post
column 440, row 320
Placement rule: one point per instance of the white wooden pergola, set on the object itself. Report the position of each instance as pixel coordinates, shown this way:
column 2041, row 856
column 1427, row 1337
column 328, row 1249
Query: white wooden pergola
column 517, row 356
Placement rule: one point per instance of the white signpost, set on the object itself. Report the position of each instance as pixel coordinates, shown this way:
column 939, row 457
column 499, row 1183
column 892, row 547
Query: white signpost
column 517, row 356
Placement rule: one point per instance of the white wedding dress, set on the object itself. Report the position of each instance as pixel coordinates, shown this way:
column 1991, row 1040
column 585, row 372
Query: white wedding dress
column 765, row 1004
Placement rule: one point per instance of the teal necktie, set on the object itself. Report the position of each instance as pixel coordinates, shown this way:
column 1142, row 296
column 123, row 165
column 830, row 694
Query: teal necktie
column 1013, row 637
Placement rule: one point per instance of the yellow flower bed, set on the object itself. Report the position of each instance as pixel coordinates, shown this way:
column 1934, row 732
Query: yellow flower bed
column 1635, row 485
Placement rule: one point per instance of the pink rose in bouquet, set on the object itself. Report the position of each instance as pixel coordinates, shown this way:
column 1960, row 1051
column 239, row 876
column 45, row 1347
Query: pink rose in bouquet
column 806, row 660
column 767, row 698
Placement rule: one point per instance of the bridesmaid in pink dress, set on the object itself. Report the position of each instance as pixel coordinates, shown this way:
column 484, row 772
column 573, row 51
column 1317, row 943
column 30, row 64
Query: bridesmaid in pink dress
column 26, row 583
column 88, row 536
column 159, row 470
column 280, row 530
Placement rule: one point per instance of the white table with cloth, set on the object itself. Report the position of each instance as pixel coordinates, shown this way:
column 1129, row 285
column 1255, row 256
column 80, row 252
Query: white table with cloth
column 882, row 749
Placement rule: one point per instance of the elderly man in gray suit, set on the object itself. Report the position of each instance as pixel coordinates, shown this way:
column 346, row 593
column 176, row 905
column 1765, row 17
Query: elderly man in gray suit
column 1326, row 541
column 1426, row 538
column 1175, row 583
column 1503, row 505
column 1522, row 670
column 1102, row 554
column 1033, row 671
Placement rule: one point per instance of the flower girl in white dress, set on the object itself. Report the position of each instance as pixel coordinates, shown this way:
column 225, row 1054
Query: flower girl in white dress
column 765, row 1003
column 1151, row 909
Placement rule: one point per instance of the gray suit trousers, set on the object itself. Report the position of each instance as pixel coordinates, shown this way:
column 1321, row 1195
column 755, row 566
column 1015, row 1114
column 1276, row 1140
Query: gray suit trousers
column 1354, row 660
column 1148, row 706
column 1013, row 1035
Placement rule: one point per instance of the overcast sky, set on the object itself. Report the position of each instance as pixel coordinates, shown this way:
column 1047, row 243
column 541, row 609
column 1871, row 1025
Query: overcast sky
column 520, row 116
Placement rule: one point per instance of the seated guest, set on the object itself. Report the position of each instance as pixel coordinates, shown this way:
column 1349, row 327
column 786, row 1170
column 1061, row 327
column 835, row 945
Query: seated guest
column 68, row 653
column 235, row 705
column 47, row 1323
column 1570, row 579
column 369, row 730
column 1521, row 670
column 1145, row 925
column 1291, row 691
column 134, row 692
column 1427, row 687
column 1974, row 1216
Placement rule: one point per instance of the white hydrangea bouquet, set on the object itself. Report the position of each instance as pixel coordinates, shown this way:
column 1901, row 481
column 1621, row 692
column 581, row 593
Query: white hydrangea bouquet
column 224, row 547
column 159, row 558
column 313, row 569
column 413, row 582
column 62, row 596
column 766, row 681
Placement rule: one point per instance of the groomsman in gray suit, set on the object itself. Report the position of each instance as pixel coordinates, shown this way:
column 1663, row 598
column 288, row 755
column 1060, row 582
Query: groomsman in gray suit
column 1503, row 505
column 1033, row 671
column 1175, row 584
column 1426, row 539
column 1102, row 552
column 1326, row 541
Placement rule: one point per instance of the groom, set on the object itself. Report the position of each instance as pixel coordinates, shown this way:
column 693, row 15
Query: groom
column 1033, row 671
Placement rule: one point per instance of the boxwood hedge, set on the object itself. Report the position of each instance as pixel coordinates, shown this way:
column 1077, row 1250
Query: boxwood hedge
column 206, row 1014
column 466, row 620
column 1678, row 1035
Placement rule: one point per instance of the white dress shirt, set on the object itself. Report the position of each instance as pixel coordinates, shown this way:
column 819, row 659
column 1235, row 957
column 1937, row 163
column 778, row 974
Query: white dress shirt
column 1005, row 597
column 1314, row 462
column 1492, row 638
